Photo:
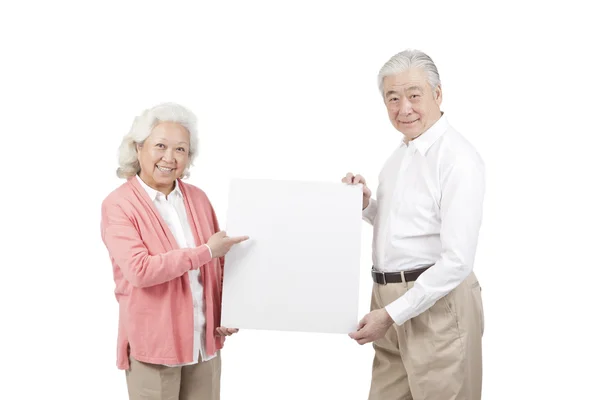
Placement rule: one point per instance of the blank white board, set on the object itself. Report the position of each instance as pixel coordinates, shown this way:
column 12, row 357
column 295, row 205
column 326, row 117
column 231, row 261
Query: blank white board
column 299, row 271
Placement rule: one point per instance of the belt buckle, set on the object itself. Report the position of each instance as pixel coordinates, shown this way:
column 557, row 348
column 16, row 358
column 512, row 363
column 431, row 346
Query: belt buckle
column 375, row 272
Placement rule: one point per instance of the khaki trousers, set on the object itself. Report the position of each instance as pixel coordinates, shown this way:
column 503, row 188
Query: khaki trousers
column 435, row 355
column 158, row 382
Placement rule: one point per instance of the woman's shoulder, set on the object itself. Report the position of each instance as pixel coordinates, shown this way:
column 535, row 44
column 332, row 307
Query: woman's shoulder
column 193, row 191
column 119, row 196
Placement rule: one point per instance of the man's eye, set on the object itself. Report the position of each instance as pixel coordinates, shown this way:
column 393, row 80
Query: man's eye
column 160, row 145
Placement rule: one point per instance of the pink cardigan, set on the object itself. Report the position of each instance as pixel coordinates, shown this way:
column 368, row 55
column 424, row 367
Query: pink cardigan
column 152, row 286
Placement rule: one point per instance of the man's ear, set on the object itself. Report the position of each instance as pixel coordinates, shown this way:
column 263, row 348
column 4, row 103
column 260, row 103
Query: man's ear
column 437, row 95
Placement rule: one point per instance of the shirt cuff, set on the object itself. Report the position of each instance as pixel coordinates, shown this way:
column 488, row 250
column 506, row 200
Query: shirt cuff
column 369, row 212
column 399, row 310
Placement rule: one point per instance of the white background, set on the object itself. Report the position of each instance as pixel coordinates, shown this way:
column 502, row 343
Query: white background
column 287, row 90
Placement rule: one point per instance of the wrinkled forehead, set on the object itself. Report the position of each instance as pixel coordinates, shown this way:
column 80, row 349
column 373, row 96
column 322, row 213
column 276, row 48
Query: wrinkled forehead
column 170, row 132
column 410, row 80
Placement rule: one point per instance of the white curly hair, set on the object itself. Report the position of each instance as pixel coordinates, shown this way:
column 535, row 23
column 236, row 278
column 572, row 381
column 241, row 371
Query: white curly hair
column 142, row 127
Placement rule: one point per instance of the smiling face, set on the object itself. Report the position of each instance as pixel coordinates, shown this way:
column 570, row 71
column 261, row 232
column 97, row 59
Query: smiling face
column 164, row 155
column 412, row 105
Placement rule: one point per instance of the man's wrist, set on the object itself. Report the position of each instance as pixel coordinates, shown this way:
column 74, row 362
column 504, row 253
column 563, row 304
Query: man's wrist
column 388, row 318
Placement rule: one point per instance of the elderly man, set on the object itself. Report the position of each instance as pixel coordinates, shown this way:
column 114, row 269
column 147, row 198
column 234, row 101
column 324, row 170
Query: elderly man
column 426, row 322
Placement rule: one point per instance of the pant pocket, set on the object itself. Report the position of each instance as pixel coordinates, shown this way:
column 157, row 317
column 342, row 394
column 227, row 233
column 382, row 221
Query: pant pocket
column 476, row 287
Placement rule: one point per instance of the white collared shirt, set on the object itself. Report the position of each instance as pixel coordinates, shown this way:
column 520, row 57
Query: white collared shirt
column 172, row 210
column 428, row 212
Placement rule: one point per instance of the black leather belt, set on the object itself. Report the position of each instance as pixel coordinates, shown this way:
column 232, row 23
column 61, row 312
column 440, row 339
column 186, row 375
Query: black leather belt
column 383, row 278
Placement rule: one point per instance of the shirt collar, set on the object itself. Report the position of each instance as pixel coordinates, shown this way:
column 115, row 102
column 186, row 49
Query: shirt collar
column 431, row 135
column 153, row 193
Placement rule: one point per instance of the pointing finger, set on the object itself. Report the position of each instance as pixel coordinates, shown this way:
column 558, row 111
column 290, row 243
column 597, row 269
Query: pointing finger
column 239, row 239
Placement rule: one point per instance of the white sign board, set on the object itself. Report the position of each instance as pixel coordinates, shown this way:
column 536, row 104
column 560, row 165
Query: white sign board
column 299, row 271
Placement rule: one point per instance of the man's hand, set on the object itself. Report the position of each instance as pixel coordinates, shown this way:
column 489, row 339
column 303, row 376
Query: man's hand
column 226, row 331
column 220, row 243
column 372, row 327
column 350, row 179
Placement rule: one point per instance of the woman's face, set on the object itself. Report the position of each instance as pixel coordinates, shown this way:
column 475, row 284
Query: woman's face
column 164, row 156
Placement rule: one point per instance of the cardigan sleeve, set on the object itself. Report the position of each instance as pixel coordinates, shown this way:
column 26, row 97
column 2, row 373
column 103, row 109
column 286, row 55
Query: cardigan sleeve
column 217, row 228
column 128, row 251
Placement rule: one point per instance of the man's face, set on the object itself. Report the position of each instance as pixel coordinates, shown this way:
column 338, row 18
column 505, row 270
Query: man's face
column 412, row 105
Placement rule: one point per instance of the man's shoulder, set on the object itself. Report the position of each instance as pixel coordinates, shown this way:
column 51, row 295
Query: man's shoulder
column 456, row 148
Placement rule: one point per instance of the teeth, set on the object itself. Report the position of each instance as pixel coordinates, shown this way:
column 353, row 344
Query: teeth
column 164, row 169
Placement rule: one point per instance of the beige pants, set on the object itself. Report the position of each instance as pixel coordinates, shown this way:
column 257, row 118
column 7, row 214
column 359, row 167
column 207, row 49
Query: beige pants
column 191, row 382
column 437, row 354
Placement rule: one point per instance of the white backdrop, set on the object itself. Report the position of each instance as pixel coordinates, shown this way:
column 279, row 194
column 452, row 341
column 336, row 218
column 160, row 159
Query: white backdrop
column 287, row 90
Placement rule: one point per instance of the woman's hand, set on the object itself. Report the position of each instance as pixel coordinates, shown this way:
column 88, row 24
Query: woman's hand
column 226, row 331
column 220, row 243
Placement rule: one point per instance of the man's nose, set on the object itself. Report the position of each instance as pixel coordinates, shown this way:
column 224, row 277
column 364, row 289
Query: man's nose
column 405, row 106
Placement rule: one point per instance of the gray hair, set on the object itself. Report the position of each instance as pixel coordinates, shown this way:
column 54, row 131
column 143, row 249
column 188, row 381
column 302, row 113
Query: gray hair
column 410, row 59
column 142, row 127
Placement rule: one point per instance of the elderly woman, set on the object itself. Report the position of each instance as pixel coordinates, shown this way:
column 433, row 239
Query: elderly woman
column 167, row 254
